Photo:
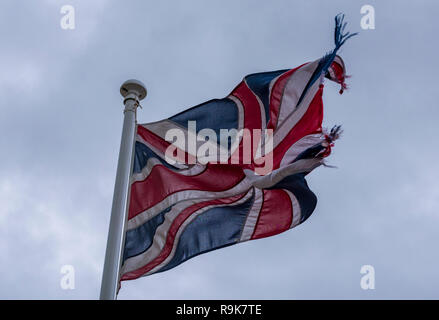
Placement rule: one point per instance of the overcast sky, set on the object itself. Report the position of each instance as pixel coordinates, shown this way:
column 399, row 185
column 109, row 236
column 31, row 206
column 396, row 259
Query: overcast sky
column 61, row 119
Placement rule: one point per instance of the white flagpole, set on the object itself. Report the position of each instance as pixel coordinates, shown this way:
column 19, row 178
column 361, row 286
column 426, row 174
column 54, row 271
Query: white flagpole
column 133, row 91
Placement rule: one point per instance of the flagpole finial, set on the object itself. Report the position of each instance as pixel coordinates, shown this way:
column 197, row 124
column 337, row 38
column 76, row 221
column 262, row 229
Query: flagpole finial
column 133, row 89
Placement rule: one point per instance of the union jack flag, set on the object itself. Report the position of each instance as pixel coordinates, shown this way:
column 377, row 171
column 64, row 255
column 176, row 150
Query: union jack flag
column 180, row 209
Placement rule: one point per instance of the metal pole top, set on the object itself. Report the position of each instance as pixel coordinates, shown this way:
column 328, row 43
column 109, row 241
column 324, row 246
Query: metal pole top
column 133, row 87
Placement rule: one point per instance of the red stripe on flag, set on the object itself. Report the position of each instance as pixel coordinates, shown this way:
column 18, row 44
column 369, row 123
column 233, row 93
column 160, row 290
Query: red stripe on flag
column 252, row 110
column 276, row 214
column 163, row 182
column 277, row 92
column 252, row 120
column 161, row 144
column 157, row 142
column 310, row 123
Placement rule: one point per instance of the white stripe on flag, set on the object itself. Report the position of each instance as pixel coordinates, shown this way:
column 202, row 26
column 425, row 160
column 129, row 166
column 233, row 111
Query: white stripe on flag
column 252, row 216
column 297, row 213
column 174, row 198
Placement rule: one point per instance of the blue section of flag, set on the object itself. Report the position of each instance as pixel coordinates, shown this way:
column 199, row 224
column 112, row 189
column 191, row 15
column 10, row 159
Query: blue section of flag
column 259, row 83
column 141, row 155
column 215, row 228
column 139, row 240
column 207, row 115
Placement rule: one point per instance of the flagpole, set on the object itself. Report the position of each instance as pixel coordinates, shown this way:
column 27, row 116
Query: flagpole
column 133, row 91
